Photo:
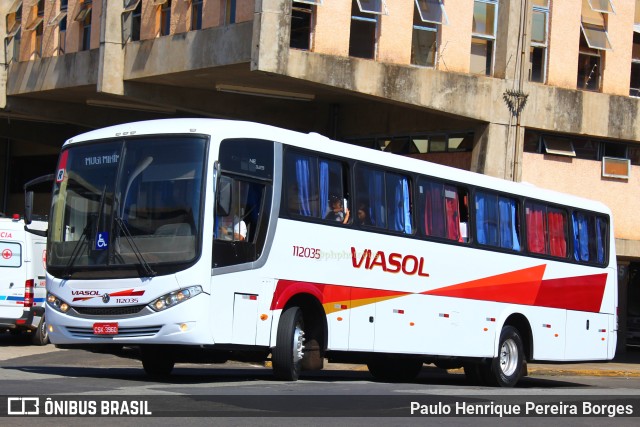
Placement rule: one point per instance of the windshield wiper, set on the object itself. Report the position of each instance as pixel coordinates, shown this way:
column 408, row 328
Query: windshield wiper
column 143, row 263
column 66, row 274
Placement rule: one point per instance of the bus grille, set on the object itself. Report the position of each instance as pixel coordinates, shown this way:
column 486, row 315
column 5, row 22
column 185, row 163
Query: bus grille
column 109, row 311
column 145, row 331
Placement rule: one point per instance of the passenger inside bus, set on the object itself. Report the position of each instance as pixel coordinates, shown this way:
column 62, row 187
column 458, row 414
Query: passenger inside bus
column 337, row 212
column 362, row 215
column 231, row 228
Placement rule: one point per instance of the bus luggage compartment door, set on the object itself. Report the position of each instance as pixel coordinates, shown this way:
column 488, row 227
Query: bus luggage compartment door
column 245, row 313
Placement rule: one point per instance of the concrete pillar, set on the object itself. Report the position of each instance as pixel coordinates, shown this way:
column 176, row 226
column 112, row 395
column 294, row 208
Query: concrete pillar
column 623, row 286
column 4, row 70
column 271, row 35
column 494, row 150
column 111, row 68
column 513, row 18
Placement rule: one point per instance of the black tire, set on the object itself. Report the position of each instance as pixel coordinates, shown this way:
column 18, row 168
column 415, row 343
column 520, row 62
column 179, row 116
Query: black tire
column 507, row 369
column 40, row 336
column 289, row 351
column 395, row 370
column 157, row 363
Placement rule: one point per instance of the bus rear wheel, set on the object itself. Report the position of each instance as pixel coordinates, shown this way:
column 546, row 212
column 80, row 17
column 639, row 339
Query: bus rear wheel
column 289, row 351
column 394, row 370
column 507, row 368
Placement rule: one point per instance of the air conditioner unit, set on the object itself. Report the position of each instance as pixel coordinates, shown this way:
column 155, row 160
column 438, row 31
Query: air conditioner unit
column 613, row 167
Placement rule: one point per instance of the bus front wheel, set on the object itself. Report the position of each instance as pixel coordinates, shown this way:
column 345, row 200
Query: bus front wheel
column 289, row 351
column 506, row 369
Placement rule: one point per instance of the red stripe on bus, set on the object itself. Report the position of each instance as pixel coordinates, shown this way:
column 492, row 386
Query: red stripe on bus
column 526, row 287
column 523, row 287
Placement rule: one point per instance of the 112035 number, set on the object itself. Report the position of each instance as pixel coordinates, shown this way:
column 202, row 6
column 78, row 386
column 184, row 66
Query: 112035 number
column 304, row 252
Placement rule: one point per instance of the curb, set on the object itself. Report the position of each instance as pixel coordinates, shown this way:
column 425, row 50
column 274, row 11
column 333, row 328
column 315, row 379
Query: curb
column 583, row 372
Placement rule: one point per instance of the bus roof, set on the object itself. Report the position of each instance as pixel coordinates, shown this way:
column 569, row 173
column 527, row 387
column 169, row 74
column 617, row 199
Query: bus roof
column 222, row 128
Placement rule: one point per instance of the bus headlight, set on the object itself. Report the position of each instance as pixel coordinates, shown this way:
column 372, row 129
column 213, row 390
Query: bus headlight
column 56, row 303
column 175, row 297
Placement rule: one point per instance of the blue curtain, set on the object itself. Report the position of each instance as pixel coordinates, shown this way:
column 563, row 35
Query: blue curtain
column 508, row 232
column 406, row 208
column 324, row 188
column 302, row 178
column 580, row 237
column 487, row 219
column 480, row 221
column 398, row 214
column 377, row 206
column 601, row 235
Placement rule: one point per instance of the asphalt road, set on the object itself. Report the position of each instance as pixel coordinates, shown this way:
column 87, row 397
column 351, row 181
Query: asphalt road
column 244, row 394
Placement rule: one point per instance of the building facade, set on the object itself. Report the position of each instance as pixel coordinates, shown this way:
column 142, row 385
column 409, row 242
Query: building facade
column 542, row 91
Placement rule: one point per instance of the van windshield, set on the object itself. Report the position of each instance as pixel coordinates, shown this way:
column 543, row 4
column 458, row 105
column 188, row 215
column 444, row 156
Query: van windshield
column 127, row 207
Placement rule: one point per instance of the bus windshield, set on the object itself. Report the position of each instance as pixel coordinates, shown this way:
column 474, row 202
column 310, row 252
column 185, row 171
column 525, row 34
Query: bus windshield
column 132, row 204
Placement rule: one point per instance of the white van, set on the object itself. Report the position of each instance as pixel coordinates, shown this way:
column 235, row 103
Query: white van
column 22, row 278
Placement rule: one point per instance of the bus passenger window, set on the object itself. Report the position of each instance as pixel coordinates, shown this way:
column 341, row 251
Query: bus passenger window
column 497, row 221
column 546, row 230
column 557, row 222
column 386, row 198
column 399, row 203
column 316, row 188
column 590, row 234
column 302, row 190
column 443, row 210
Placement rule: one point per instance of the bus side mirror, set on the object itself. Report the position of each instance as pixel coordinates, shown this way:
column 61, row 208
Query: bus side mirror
column 28, row 207
column 223, row 207
column 28, row 202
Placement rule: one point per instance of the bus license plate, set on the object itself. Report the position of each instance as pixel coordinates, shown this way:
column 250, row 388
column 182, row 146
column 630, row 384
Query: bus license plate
column 105, row 329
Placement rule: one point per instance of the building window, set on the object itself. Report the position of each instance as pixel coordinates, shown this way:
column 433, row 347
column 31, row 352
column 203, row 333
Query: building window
column 60, row 21
column 14, row 27
column 165, row 18
column 35, row 30
column 594, row 40
column 301, row 24
column 419, row 143
column 428, row 15
column 580, row 148
column 485, row 17
column 230, row 12
column 634, row 89
column 364, row 27
column 539, row 41
column 196, row 15
column 84, row 17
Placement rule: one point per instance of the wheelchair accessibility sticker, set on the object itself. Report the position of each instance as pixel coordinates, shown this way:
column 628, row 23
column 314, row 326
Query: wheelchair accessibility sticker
column 102, row 241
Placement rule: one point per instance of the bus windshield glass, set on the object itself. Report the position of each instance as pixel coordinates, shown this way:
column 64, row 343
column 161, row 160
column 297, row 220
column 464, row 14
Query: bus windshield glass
column 132, row 204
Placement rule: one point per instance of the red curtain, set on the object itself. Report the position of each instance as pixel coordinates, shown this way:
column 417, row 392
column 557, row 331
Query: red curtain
column 557, row 239
column 535, row 229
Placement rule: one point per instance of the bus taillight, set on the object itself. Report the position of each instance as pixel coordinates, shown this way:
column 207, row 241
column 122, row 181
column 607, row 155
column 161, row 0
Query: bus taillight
column 28, row 293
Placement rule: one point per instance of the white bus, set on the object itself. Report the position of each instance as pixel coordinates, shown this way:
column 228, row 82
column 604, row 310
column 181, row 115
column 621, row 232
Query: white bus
column 212, row 240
